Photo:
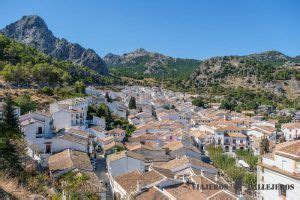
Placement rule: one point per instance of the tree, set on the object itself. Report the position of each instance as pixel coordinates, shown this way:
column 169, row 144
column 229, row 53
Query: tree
column 10, row 136
column 103, row 111
column 132, row 103
column 198, row 102
column 264, row 145
column 79, row 87
column 91, row 112
column 227, row 104
column 48, row 91
column 129, row 130
column 250, row 180
column 108, row 99
column 25, row 103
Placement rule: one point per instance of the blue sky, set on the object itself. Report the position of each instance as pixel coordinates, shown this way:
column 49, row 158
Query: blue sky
column 186, row 28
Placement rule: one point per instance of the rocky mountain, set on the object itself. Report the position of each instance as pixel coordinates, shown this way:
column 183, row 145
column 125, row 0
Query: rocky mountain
column 268, row 70
column 112, row 59
column 142, row 63
column 272, row 56
column 32, row 30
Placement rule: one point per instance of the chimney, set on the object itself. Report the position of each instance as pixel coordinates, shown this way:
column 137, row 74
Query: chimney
column 183, row 179
column 216, row 177
column 202, row 172
column 138, row 187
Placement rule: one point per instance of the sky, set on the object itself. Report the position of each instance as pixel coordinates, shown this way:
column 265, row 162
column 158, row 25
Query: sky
column 179, row 28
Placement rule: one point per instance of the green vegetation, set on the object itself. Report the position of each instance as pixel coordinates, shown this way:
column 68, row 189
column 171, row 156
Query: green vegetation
column 48, row 91
column 129, row 129
column 107, row 97
column 228, row 166
column 25, row 103
column 198, row 102
column 79, row 87
column 11, row 139
column 231, row 66
column 101, row 111
column 248, row 157
column 132, row 103
column 67, row 92
column 240, row 99
column 111, row 121
column 75, row 185
column 24, row 65
column 178, row 69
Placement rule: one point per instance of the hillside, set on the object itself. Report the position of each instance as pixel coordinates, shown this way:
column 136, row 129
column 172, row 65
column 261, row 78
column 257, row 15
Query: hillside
column 271, row 70
column 144, row 64
column 22, row 65
column 32, row 30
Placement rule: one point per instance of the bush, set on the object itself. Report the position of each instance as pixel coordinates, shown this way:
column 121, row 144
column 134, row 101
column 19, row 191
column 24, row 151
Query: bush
column 198, row 102
column 48, row 91
column 25, row 103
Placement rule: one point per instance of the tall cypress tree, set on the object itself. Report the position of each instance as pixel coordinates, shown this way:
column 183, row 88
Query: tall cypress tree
column 108, row 99
column 132, row 103
column 11, row 122
column 10, row 136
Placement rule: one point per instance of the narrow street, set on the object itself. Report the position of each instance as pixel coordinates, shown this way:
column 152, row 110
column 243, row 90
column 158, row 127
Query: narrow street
column 100, row 171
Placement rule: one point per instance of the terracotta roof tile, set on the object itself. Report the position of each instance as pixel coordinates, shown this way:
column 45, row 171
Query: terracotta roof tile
column 69, row 159
column 152, row 193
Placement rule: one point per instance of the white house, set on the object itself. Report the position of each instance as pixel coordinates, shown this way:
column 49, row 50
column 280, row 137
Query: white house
column 42, row 142
column 36, row 127
column 118, row 109
column 230, row 137
column 281, row 171
column 64, row 119
column 123, row 162
column 291, row 131
column 127, row 185
column 69, row 113
column 167, row 115
column 70, row 104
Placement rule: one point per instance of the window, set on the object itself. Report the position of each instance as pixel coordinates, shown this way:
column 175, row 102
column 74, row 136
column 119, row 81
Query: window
column 233, row 141
column 40, row 130
column 226, row 148
column 233, row 148
column 262, row 178
column 48, row 148
column 241, row 141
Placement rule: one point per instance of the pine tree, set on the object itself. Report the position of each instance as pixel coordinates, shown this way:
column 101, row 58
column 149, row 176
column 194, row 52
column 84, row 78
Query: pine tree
column 132, row 103
column 108, row 99
column 11, row 122
column 10, row 137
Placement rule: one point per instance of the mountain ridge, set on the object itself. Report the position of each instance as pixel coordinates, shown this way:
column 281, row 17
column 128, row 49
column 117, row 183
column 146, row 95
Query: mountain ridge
column 32, row 30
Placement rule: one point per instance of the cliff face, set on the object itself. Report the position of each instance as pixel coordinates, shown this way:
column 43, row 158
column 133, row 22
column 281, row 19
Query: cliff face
column 32, row 30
